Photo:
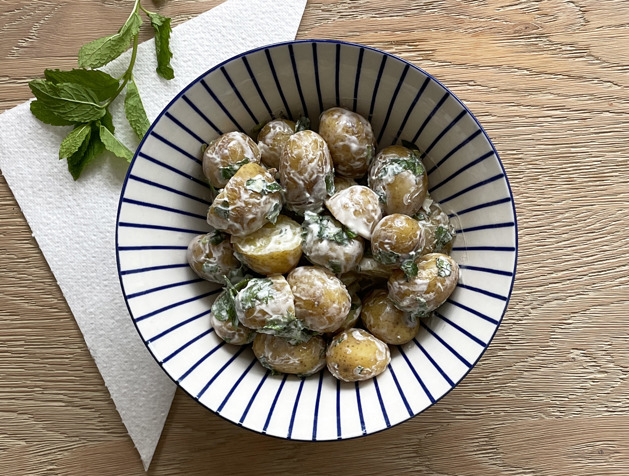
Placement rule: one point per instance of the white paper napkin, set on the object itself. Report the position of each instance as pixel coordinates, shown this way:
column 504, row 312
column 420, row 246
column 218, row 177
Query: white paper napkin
column 74, row 222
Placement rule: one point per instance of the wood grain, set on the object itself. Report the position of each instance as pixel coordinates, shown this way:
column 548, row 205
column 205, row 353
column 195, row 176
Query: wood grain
column 549, row 81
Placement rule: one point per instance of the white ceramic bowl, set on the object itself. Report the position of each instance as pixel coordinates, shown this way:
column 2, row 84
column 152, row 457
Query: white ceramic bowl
column 165, row 199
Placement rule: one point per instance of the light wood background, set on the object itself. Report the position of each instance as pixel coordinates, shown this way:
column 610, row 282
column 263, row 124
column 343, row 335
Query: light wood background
column 549, row 80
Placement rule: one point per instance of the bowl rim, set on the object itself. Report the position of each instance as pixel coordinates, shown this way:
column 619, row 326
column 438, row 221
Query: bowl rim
column 293, row 42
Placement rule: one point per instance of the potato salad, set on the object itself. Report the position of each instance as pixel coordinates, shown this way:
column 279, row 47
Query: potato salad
column 328, row 249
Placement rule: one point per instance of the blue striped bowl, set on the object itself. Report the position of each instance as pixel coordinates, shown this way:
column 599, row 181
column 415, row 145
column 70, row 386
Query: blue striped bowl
column 165, row 199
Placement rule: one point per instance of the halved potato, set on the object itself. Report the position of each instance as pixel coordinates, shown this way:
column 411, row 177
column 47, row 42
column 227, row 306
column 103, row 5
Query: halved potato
column 274, row 248
column 356, row 207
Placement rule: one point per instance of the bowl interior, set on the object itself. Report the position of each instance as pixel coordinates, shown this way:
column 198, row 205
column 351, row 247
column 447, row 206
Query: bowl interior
column 165, row 200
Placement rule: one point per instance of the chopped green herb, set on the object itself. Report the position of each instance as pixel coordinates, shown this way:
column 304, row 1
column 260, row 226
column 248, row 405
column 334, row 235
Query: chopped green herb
column 265, row 363
column 386, row 257
column 258, row 291
column 217, row 237
column 444, row 268
column 393, row 167
column 260, row 185
column 302, row 124
column 287, row 327
column 327, row 228
column 329, row 184
column 274, row 212
column 359, row 369
column 420, row 216
column 442, row 237
column 335, row 266
column 210, row 268
column 422, row 308
column 222, row 209
column 230, row 170
column 410, row 269
column 339, row 340
column 350, row 233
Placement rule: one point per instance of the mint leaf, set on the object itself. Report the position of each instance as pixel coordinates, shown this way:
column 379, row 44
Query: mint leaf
column 444, row 268
column 134, row 110
column 100, row 52
column 302, row 124
column 260, row 185
column 99, row 82
column 410, row 269
column 217, row 237
column 161, row 25
column 222, row 209
column 113, row 145
column 274, row 212
column 229, row 171
column 86, row 153
column 74, row 140
column 68, row 101
column 108, row 122
column 329, row 184
column 41, row 112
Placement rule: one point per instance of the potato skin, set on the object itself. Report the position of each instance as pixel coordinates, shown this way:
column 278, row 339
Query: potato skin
column 239, row 335
column 396, row 238
column 355, row 355
column 271, row 140
column 322, row 301
column 350, row 139
column 357, row 208
column 306, row 171
column 211, row 257
column 278, row 355
column 385, row 321
column 240, row 210
column 437, row 276
column 225, row 155
column 273, row 249
column 399, row 179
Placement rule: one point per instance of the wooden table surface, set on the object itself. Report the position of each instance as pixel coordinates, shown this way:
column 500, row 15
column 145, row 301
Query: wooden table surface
column 549, row 80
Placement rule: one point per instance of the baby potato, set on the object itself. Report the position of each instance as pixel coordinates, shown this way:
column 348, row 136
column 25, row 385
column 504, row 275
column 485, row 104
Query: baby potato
column 279, row 355
column 355, row 355
column 322, row 301
column 271, row 140
column 211, row 257
column 224, row 156
column 306, row 172
column 357, row 208
column 328, row 244
column 385, row 321
column 250, row 199
column 396, row 238
column 341, row 183
column 426, row 288
column 265, row 303
column 350, row 139
column 438, row 229
column 399, row 178
column 230, row 333
column 273, row 249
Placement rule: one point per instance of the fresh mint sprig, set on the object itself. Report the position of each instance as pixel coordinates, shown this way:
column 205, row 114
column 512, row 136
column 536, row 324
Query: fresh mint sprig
column 81, row 97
